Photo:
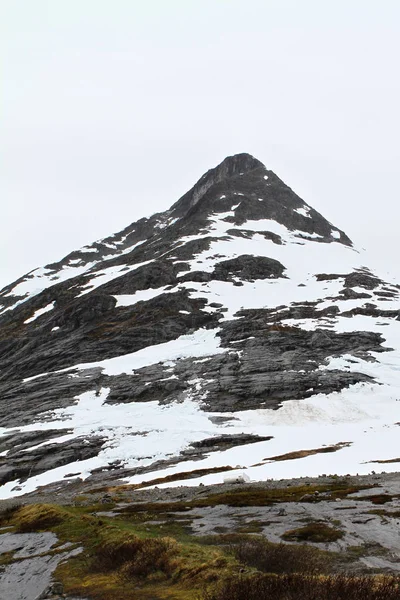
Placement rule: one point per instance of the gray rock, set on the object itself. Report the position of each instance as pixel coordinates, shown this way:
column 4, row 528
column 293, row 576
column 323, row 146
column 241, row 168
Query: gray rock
column 265, row 364
column 29, row 578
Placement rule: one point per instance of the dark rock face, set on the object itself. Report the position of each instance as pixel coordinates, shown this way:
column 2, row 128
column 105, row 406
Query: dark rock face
column 248, row 234
column 149, row 285
column 231, row 167
column 229, row 441
column 86, row 337
column 22, row 465
column 248, row 268
column 87, row 309
column 361, row 280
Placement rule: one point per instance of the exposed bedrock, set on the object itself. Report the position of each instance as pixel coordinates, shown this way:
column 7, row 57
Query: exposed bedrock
column 72, row 319
column 248, row 268
column 101, row 333
column 244, row 268
column 265, row 366
column 22, row 402
column 19, row 464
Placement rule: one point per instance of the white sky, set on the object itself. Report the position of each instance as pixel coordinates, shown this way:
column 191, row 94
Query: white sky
column 112, row 109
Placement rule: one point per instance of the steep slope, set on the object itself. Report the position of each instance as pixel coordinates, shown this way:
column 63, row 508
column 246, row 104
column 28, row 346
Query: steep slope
column 237, row 327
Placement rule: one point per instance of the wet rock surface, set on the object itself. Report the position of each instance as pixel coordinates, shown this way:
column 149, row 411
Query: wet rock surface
column 28, row 576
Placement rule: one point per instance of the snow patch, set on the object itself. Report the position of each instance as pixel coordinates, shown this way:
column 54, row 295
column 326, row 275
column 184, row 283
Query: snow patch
column 39, row 312
column 303, row 211
column 139, row 296
column 108, row 274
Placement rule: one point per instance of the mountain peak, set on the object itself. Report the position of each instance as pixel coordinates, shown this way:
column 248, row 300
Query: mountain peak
column 237, row 164
column 239, row 311
column 242, row 183
column 231, row 166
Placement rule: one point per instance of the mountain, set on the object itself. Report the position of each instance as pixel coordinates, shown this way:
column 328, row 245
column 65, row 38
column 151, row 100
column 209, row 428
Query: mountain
column 237, row 330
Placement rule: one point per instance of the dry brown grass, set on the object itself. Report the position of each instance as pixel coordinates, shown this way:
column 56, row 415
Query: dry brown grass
column 383, row 462
column 313, row 532
column 135, row 557
column 8, row 510
column 168, row 479
column 267, row 557
column 376, row 498
column 303, row 587
column 304, row 453
column 37, row 517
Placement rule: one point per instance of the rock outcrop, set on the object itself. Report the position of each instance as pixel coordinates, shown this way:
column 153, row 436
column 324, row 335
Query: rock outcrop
column 238, row 299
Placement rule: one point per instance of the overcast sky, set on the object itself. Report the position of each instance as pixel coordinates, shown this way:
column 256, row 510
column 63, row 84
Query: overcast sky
column 112, row 109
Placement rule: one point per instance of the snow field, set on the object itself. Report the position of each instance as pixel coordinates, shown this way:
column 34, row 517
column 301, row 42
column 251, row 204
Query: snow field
column 365, row 415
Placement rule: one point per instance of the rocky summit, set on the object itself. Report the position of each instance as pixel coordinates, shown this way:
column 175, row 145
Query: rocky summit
column 237, row 333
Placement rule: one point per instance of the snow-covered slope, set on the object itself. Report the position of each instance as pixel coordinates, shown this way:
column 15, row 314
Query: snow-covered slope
column 238, row 329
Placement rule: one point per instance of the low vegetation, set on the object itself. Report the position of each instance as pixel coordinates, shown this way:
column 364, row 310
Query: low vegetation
column 377, row 498
column 147, row 551
column 251, row 496
column 181, row 476
column 381, row 512
column 267, row 557
column 125, row 560
column 38, row 517
column 313, row 532
column 7, row 511
column 303, row 587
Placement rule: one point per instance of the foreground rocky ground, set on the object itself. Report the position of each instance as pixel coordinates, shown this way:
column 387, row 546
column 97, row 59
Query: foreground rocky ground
column 48, row 538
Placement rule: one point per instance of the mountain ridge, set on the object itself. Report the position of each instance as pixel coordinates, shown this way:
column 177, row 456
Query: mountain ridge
column 238, row 299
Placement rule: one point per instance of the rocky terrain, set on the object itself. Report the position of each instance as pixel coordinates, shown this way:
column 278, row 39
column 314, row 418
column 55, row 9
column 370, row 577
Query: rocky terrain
column 237, row 332
column 353, row 519
column 238, row 312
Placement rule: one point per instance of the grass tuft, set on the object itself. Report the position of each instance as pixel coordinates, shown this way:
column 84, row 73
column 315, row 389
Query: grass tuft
column 38, row 517
column 377, row 498
column 137, row 557
column 267, row 557
column 313, row 532
column 303, row 587
column 8, row 510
